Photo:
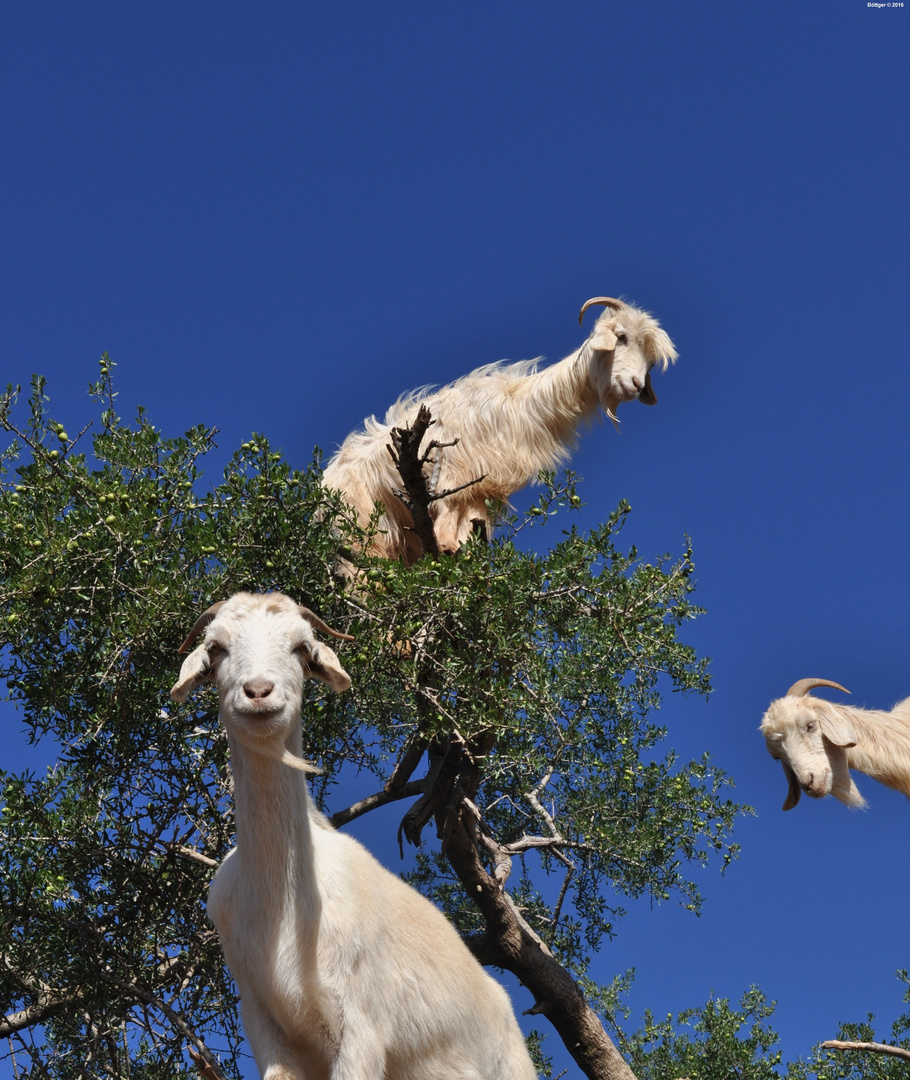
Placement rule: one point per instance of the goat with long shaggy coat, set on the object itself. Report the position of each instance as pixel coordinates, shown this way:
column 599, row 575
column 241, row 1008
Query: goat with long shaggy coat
column 818, row 742
column 510, row 422
column 344, row 971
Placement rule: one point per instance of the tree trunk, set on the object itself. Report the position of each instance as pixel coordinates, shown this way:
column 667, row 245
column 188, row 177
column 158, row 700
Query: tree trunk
column 511, row 944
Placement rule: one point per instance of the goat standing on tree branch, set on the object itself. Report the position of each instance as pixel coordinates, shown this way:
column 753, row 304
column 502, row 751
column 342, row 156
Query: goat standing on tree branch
column 498, row 427
column 344, row 971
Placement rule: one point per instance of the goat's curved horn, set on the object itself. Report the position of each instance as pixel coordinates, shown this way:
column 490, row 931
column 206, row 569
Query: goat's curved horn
column 313, row 619
column 604, row 301
column 799, row 689
column 200, row 624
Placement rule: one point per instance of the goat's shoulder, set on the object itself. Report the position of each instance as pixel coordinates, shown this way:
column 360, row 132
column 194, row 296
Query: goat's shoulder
column 358, row 890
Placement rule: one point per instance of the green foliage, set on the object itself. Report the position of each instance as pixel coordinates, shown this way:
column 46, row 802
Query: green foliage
column 104, row 567
column 859, row 1064
column 721, row 1042
column 565, row 657
column 715, row 1042
column 542, row 670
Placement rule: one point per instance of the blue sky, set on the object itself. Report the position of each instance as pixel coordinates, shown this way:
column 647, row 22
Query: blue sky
column 278, row 217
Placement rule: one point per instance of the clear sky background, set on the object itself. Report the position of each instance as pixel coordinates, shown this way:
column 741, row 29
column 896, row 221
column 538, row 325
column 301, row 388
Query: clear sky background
column 279, row 216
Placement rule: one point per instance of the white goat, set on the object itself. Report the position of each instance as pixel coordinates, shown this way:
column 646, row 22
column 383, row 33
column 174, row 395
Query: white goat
column 344, row 971
column 818, row 742
column 510, row 420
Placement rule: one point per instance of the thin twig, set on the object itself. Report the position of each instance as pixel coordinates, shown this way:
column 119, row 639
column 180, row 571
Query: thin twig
column 191, row 853
column 557, row 911
column 461, row 487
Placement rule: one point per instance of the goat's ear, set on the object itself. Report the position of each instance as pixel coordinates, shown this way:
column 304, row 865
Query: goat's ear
column 794, row 790
column 647, row 396
column 603, row 337
column 196, row 669
column 321, row 663
column 837, row 728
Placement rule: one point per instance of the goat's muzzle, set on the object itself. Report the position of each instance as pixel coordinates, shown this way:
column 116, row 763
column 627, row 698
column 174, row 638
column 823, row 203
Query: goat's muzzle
column 258, row 690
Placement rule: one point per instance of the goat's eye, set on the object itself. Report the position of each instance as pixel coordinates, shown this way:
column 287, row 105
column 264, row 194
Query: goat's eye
column 810, row 726
column 622, row 338
column 213, row 655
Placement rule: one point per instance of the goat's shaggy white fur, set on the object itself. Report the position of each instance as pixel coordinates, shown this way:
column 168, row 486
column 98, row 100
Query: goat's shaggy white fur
column 510, row 420
column 344, row 971
column 818, row 742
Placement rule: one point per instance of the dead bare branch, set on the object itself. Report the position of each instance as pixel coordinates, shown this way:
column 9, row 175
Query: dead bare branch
column 419, row 492
column 867, row 1047
column 406, row 455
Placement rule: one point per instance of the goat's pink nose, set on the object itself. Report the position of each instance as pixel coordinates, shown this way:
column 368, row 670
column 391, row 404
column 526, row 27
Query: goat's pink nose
column 258, row 689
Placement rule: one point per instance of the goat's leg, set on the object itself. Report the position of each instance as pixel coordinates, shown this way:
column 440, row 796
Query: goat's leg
column 361, row 1055
column 282, row 1072
column 275, row 1058
column 452, row 526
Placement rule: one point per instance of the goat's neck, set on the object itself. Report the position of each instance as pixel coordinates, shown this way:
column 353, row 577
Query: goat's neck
column 882, row 748
column 564, row 392
column 272, row 820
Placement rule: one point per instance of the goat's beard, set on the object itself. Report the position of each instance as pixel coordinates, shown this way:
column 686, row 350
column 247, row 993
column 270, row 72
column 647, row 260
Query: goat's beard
column 844, row 789
column 610, row 402
column 266, row 742
column 284, row 756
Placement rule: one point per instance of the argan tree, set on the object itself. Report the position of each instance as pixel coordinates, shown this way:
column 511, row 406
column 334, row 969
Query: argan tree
column 504, row 697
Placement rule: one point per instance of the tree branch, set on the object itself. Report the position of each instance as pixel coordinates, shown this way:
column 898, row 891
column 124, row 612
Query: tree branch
column 867, row 1047
column 442, row 773
column 37, row 1012
column 406, row 441
column 371, row 802
column 140, row 993
column 512, row 944
column 190, row 853
column 207, row 1069
column 419, row 492
column 408, row 762
column 461, row 487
